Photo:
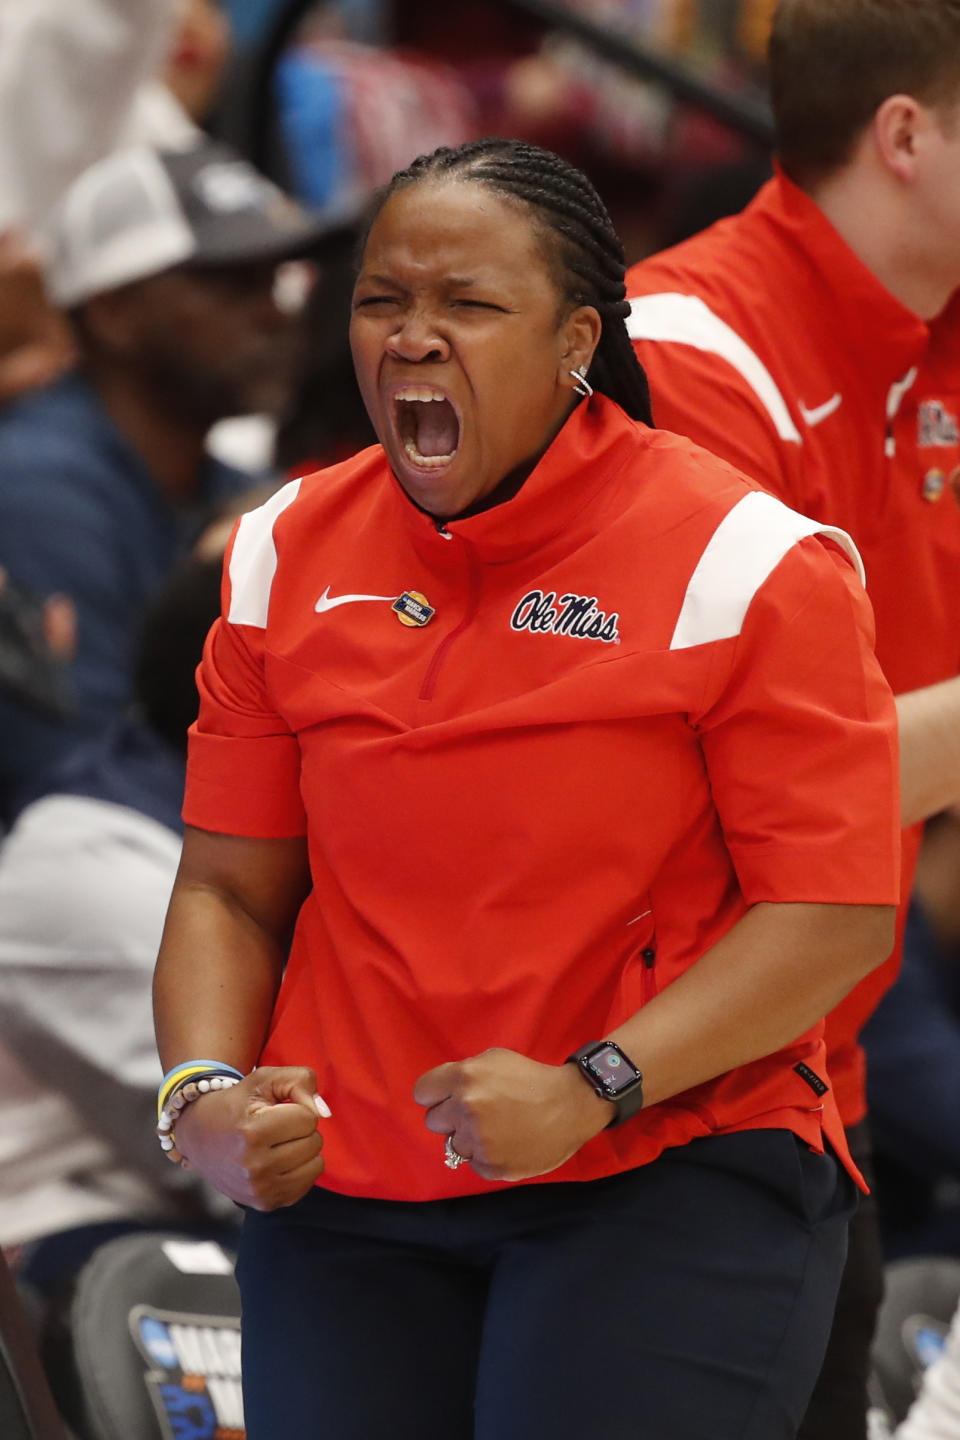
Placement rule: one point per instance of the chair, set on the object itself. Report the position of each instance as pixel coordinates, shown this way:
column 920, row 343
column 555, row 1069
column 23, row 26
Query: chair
column 919, row 1304
column 148, row 1347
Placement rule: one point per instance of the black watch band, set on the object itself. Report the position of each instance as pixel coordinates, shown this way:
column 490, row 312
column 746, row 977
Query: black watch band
column 612, row 1075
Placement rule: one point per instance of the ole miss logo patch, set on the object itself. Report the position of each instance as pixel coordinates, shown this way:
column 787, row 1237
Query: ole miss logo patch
column 578, row 616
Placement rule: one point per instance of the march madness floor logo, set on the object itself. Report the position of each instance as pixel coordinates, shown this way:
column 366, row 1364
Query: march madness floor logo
column 194, row 1373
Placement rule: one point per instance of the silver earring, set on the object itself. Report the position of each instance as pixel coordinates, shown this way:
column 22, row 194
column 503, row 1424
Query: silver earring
column 581, row 384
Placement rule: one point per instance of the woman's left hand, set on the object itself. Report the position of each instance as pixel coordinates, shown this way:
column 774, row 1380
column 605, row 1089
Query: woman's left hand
column 509, row 1116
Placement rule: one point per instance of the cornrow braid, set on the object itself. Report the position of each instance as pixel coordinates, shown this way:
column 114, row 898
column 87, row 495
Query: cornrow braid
column 583, row 248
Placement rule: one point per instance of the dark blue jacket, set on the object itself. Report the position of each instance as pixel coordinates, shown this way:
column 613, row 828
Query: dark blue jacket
column 81, row 514
column 912, row 1042
column 130, row 765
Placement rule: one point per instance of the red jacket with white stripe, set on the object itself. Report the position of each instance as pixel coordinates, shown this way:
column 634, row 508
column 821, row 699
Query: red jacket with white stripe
column 544, row 757
column 768, row 341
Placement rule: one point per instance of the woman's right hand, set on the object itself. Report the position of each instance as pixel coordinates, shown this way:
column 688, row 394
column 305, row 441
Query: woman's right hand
column 258, row 1141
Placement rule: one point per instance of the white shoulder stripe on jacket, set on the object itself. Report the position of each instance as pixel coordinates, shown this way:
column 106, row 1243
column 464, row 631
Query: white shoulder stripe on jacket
column 686, row 320
column 253, row 562
column 742, row 553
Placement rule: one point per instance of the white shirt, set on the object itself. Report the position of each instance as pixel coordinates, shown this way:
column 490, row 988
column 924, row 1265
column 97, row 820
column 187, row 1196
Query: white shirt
column 73, row 86
column 84, row 886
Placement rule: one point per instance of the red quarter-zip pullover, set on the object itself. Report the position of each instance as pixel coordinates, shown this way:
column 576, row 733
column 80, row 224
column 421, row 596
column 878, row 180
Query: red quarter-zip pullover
column 769, row 342
column 545, row 757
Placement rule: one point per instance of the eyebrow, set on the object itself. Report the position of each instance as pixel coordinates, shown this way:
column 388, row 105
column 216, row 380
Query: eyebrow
column 452, row 282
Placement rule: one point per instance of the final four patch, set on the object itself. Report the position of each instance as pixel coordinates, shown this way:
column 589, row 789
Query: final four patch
column 193, row 1373
column 575, row 615
column 412, row 608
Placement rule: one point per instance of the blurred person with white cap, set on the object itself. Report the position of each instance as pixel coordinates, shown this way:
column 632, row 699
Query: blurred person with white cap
column 77, row 81
column 70, row 78
column 166, row 262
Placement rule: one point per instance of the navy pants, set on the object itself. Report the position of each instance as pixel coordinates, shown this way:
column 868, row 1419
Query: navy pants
column 839, row 1404
column 690, row 1299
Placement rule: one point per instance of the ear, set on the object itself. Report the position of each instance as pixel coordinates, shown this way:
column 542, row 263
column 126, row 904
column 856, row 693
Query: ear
column 900, row 128
column 580, row 336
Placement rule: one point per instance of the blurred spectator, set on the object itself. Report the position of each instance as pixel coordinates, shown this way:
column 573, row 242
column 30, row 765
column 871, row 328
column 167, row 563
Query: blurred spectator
column 912, row 1043
column 167, row 265
column 76, row 80
column 197, row 56
column 35, row 343
column 346, row 112
column 36, row 640
column 554, row 89
column 328, row 420
column 85, row 876
column 114, row 73
column 935, row 1414
column 913, row 1064
column 69, row 74
column 350, row 115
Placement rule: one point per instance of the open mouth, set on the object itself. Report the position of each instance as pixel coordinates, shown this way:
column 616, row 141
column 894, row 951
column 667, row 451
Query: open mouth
column 428, row 426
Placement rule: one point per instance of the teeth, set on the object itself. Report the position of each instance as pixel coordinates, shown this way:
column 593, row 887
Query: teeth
column 427, row 460
column 418, row 392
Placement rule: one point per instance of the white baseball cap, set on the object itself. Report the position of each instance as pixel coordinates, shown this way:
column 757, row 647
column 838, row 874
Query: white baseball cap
column 140, row 211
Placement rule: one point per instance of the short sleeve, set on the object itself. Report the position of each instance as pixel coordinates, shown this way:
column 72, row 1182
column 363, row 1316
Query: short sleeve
column 243, row 767
column 800, row 741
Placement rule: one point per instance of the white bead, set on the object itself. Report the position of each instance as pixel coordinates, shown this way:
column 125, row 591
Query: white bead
column 165, row 1121
column 203, row 1086
column 166, row 1142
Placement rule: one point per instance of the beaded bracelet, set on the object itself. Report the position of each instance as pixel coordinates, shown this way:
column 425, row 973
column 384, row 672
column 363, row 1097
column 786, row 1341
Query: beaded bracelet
column 191, row 1069
column 180, row 1087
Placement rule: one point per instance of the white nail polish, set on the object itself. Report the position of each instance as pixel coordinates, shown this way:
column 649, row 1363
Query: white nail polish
column 322, row 1106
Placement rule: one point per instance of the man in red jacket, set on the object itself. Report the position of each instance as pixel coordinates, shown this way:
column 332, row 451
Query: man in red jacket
column 814, row 341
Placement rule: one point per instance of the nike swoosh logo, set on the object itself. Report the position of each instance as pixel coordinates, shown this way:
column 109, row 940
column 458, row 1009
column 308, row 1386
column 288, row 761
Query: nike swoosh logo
column 822, row 412
column 330, row 602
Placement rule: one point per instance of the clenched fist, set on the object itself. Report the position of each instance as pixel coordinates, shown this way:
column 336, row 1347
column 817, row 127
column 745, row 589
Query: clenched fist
column 258, row 1141
column 509, row 1116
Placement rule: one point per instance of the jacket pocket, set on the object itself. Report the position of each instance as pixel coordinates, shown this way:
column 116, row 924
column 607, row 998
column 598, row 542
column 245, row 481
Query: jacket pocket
column 638, row 979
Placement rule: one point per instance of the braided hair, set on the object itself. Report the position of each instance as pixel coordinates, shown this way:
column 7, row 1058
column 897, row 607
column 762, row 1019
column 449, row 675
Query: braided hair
column 583, row 249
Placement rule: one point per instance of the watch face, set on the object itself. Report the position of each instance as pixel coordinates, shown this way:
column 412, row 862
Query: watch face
column 612, row 1071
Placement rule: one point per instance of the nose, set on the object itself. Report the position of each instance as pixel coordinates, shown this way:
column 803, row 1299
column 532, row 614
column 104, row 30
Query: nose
column 416, row 338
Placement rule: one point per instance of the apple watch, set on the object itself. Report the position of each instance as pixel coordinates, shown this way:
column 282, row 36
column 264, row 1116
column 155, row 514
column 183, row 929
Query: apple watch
column 612, row 1076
